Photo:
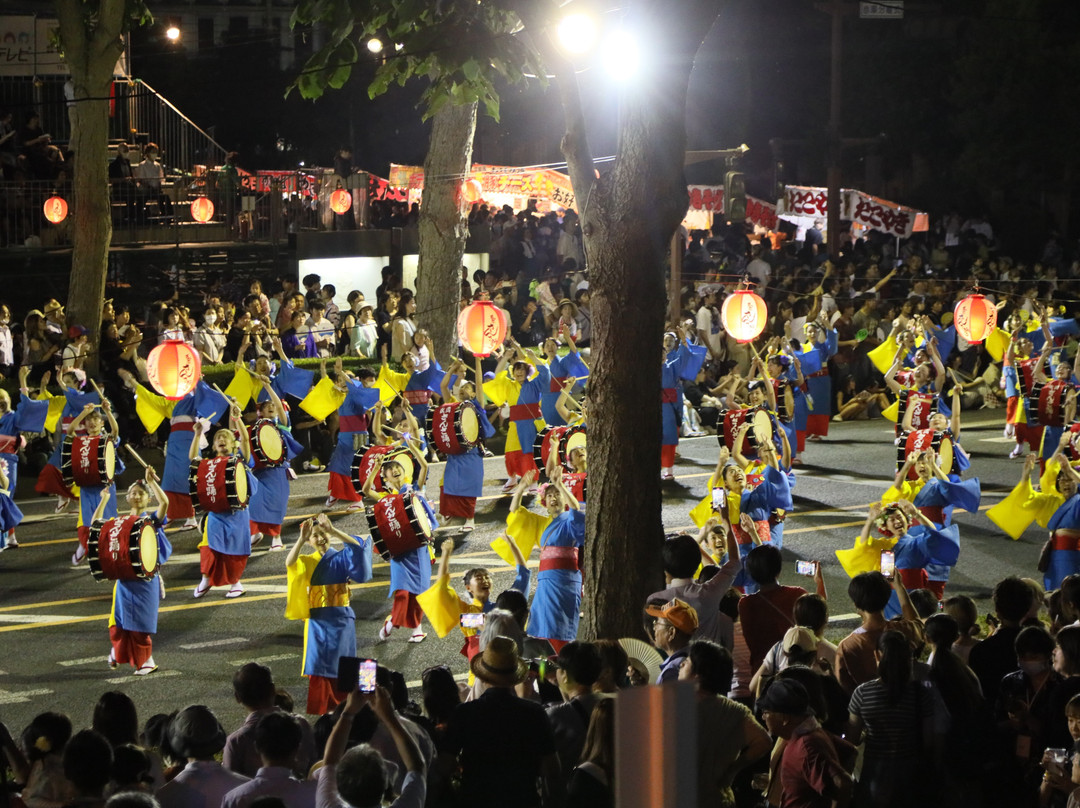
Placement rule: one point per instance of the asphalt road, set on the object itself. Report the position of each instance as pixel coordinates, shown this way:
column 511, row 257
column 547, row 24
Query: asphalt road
column 53, row 617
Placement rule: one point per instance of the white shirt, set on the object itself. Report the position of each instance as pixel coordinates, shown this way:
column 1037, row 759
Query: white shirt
column 201, row 784
column 7, row 346
column 273, row 781
column 413, row 790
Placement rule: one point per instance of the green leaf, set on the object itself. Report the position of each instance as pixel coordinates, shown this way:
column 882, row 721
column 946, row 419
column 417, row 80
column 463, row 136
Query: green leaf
column 471, row 69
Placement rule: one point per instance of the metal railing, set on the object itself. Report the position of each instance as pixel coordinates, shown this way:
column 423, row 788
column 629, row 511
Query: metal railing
column 152, row 117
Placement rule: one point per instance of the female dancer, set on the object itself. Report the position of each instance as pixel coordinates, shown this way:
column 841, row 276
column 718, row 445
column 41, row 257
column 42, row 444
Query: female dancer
column 89, row 495
column 463, row 477
column 522, row 392
column 226, row 543
column 134, row 616
column 561, row 536
column 680, row 361
column 410, row 573
column 360, row 396
column 266, row 510
column 318, row 594
column 561, row 368
column 29, row 416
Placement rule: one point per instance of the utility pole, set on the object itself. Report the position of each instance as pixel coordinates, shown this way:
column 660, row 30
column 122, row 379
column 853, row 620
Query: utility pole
column 837, row 9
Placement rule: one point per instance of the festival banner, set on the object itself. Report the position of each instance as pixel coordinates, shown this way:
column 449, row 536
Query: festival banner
column 859, row 208
column 710, row 198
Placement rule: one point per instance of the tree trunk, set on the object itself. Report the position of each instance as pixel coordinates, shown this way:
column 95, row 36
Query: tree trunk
column 90, row 54
column 443, row 224
column 629, row 216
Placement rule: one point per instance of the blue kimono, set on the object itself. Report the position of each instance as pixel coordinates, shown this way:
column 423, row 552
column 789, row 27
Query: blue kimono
column 271, row 498
column 351, row 422
column 411, row 572
column 819, row 383
column 28, row 416
column 203, row 402
column 556, row 603
column 229, row 532
column 920, row 548
column 318, row 593
column 90, row 495
column 682, row 363
column 1063, row 562
column 561, row 368
column 73, row 405
column 464, row 473
column 135, row 603
column 289, row 380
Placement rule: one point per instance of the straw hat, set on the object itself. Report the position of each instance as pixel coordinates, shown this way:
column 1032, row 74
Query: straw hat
column 51, row 305
column 499, row 664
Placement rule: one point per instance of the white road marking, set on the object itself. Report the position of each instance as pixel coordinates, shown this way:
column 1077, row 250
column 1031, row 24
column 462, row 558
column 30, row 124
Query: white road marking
column 33, row 618
column 22, row 696
column 266, row 588
column 68, row 663
column 230, row 641
column 158, row 674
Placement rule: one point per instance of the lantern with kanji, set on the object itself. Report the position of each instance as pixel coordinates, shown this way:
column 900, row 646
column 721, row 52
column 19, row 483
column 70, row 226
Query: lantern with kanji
column 174, row 368
column 743, row 315
column 56, row 209
column 340, row 201
column 975, row 317
column 202, row 209
column 474, row 191
column 481, row 328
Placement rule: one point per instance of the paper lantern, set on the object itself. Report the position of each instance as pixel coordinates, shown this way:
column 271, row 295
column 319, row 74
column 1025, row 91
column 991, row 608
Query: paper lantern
column 174, row 368
column 202, row 209
column 481, row 328
column 474, row 191
column 975, row 318
column 56, row 209
column 743, row 315
column 340, row 201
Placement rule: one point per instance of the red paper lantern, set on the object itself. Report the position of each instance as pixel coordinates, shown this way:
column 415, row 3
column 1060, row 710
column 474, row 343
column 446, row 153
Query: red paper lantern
column 481, row 327
column 743, row 315
column 202, row 209
column 474, row 191
column 975, row 318
column 56, row 209
column 340, row 201
column 174, row 368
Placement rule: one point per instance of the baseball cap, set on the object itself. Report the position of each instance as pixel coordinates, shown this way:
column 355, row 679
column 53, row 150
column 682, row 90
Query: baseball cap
column 801, row 638
column 677, row 612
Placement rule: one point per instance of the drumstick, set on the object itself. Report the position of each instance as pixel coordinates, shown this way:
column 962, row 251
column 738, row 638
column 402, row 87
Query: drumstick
column 135, row 454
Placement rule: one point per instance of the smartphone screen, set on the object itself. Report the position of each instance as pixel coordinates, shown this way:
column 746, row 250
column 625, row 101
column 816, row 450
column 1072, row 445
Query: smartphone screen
column 472, row 620
column 804, row 567
column 366, row 681
column 888, row 564
column 348, row 673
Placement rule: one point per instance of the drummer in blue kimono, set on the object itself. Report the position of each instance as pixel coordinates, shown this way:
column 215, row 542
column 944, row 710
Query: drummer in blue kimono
column 204, row 402
column 352, row 425
column 94, row 418
column 414, row 385
column 269, row 503
column 51, row 480
column 927, row 379
column 318, row 594
column 680, row 360
column 134, row 617
column 463, row 476
column 226, row 542
column 560, row 535
column 29, row 416
column 1052, row 419
column 560, row 368
column 410, row 572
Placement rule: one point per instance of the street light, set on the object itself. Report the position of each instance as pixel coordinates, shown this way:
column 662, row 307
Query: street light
column 622, row 55
column 577, row 33
column 375, row 45
column 172, row 33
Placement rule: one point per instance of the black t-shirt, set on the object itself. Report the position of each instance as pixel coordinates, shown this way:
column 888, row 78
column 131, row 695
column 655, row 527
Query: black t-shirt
column 500, row 741
column 993, row 659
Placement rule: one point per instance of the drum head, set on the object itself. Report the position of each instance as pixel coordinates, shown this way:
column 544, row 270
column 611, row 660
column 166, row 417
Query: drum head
column 945, row 455
column 762, row 427
column 108, row 450
column 148, row 554
column 422, row 520
column 270, row 442
column 241, row 482
column 470, row 424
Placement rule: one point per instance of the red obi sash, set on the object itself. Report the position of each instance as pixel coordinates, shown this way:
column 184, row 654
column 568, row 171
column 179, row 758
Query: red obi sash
column 1062, row 541
column 182, row 426
column 559, row 558
column 417, row 396
column 525, row 412
column 352, row 423
column 669, row 395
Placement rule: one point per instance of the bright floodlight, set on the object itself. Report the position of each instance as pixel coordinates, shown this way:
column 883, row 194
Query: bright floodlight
column 375, row 45
column 172, row 32
column 622, row 55
column 577, row 33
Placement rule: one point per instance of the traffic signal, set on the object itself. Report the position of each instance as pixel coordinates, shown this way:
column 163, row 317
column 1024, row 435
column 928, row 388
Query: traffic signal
column 735, row 196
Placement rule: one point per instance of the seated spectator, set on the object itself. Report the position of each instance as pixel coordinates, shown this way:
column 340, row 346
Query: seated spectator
column 39, row 764
column 856, row 655
column 768, row 613
column 277, row 739
column 253, row 688
column 132, row 771
column 675, row 624
column 359, row 778
column 504, row 744
column 88, row 760
column 197, row 736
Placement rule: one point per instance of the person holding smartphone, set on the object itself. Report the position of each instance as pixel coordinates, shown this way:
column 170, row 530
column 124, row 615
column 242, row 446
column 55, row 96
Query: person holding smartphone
column 318, row 594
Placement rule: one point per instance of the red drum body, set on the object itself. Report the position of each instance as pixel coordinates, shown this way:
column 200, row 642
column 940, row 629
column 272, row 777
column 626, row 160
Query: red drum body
column 453, row 428
column 219, row 484
column 761, row 429
column 1052, row 403
column 398, row 525
column 267, row 447
column 922, row 406
column 918, row 441
column 560, row 439
column 88, row 461
column 123, row 549
column 364, row 462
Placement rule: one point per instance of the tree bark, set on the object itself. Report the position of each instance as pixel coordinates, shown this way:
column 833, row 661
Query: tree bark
column 443, row 223
column 90, row 52
column 628, row 217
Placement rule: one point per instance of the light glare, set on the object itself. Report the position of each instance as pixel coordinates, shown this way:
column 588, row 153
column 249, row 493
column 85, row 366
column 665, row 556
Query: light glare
column 172, row 32
column 375, row 45
column 577, row 33
column 622, row 56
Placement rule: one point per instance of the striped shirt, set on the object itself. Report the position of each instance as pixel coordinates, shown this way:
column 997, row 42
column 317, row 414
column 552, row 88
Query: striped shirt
column 893, row 730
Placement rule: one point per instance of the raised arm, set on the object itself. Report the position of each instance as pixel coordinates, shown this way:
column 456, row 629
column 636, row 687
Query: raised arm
column 238, row 427
column 369, row 484
column 901, row 475
column 872, row 514
column 279, row 408
column 446, row 549
column 99, row 512
column 890, row 375
column 939, row 366
column 154, row 485
column 1039, row 372
column 196, row 434
column 444, row 385
column 954, row 421
column 294, row 551
column 527, row 480
column 481, row 398
column 324, row 524
column 740, row 439
column 569, row 500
